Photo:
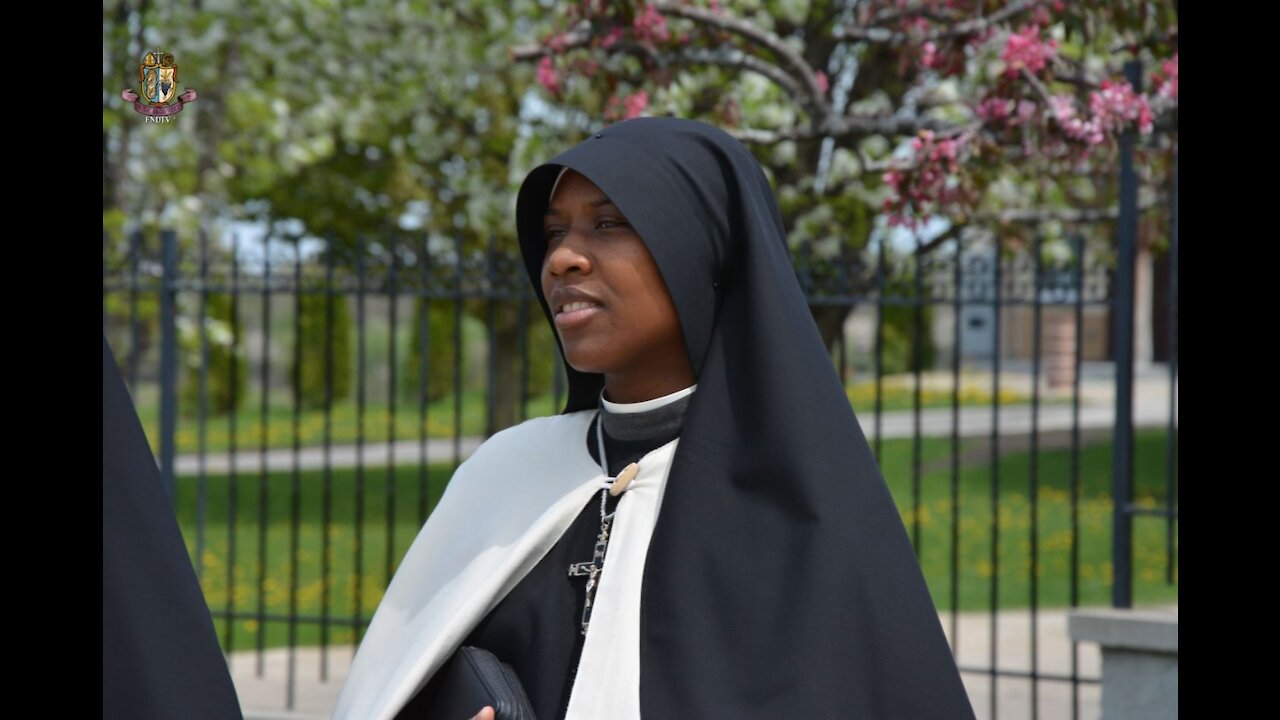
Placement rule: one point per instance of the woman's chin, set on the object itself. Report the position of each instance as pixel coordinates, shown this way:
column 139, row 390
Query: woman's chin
column 583, row 362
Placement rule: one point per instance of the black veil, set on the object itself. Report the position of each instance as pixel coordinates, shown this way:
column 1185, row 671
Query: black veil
column 780, row 581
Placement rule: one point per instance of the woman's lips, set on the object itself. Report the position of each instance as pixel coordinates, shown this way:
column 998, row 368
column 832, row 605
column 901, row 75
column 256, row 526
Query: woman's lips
column 575, row 314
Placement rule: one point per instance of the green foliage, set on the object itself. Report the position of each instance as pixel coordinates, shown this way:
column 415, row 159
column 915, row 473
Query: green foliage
column 326, row 348
column 224, row 366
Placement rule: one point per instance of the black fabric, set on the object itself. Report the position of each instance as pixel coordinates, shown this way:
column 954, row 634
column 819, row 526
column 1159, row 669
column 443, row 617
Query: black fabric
column 780, row 581
column 662, row 420
column 536, row 628
column 160, row 656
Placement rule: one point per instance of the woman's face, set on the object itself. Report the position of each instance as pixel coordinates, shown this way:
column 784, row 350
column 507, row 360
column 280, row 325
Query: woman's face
column 611, row 307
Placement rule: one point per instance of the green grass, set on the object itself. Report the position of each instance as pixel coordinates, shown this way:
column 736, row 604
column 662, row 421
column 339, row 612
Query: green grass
column 1053, row 530
column 898, row 393
column 345, row 426
column 344, row 422
column 243, row 586
column 975, row 510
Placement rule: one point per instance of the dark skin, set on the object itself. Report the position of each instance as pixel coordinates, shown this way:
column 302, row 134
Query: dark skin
column 631, row 333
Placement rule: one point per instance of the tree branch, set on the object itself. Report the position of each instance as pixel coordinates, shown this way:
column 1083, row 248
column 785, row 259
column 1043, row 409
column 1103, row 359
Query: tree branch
column 1036, row 85
column 850, row 128
column 961, row 29
column 791, row 60
column 734, row 58
column 918, row 10
column 579, row 36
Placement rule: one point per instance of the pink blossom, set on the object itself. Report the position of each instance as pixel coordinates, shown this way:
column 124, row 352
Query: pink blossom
column 930, row 56
column 611, row 38
column 946, row 149
column 1146, row 119
column 1073, row 126
column 994, row 109
column 823, row 84
column 1116, row 104
column 651, row 26
column 1026, row 110
column 1166, row 79
column 1007, row 112
column 925, row 186
column 625, row 108
column 547, row 76
column 635, row 104
column 1063, row 107
column 1025, row 50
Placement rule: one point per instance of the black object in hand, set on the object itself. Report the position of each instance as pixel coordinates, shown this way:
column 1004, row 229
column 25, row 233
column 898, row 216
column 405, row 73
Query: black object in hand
column 474, row 678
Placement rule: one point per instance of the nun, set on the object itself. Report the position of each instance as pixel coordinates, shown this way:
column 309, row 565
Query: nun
column 703, row 531
column 160, row 656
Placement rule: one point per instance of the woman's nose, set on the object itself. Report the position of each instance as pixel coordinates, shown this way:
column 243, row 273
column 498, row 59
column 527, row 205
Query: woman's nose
column 568, row 255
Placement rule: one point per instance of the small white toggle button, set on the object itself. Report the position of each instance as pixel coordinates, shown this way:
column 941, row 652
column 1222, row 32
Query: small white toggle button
column 625, row 477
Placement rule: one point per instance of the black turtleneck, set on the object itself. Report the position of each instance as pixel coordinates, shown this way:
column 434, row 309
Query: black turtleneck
column 537, row 628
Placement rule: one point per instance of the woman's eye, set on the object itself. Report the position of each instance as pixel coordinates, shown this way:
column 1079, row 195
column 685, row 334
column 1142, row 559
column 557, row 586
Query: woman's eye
column 553, row 233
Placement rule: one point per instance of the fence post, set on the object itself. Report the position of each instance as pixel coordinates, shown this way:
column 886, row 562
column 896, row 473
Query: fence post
column 1122, row 345
column 168, row 360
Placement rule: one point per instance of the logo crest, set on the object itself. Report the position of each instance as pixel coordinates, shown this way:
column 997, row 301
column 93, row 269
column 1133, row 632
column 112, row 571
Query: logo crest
column 158, row 85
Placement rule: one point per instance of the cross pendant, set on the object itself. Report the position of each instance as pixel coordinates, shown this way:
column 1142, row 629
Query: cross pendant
column 591, row 570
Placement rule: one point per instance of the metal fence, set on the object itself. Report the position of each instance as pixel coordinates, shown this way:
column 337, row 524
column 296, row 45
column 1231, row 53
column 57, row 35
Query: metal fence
column 308, row 401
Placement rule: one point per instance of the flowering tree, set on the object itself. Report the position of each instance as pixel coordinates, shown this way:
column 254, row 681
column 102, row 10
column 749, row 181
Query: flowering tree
column 919, row 108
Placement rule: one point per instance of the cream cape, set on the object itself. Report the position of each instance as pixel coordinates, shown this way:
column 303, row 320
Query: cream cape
column 505, row 507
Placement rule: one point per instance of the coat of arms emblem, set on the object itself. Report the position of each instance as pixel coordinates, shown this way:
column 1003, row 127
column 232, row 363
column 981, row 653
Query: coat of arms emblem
column 158, row 82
